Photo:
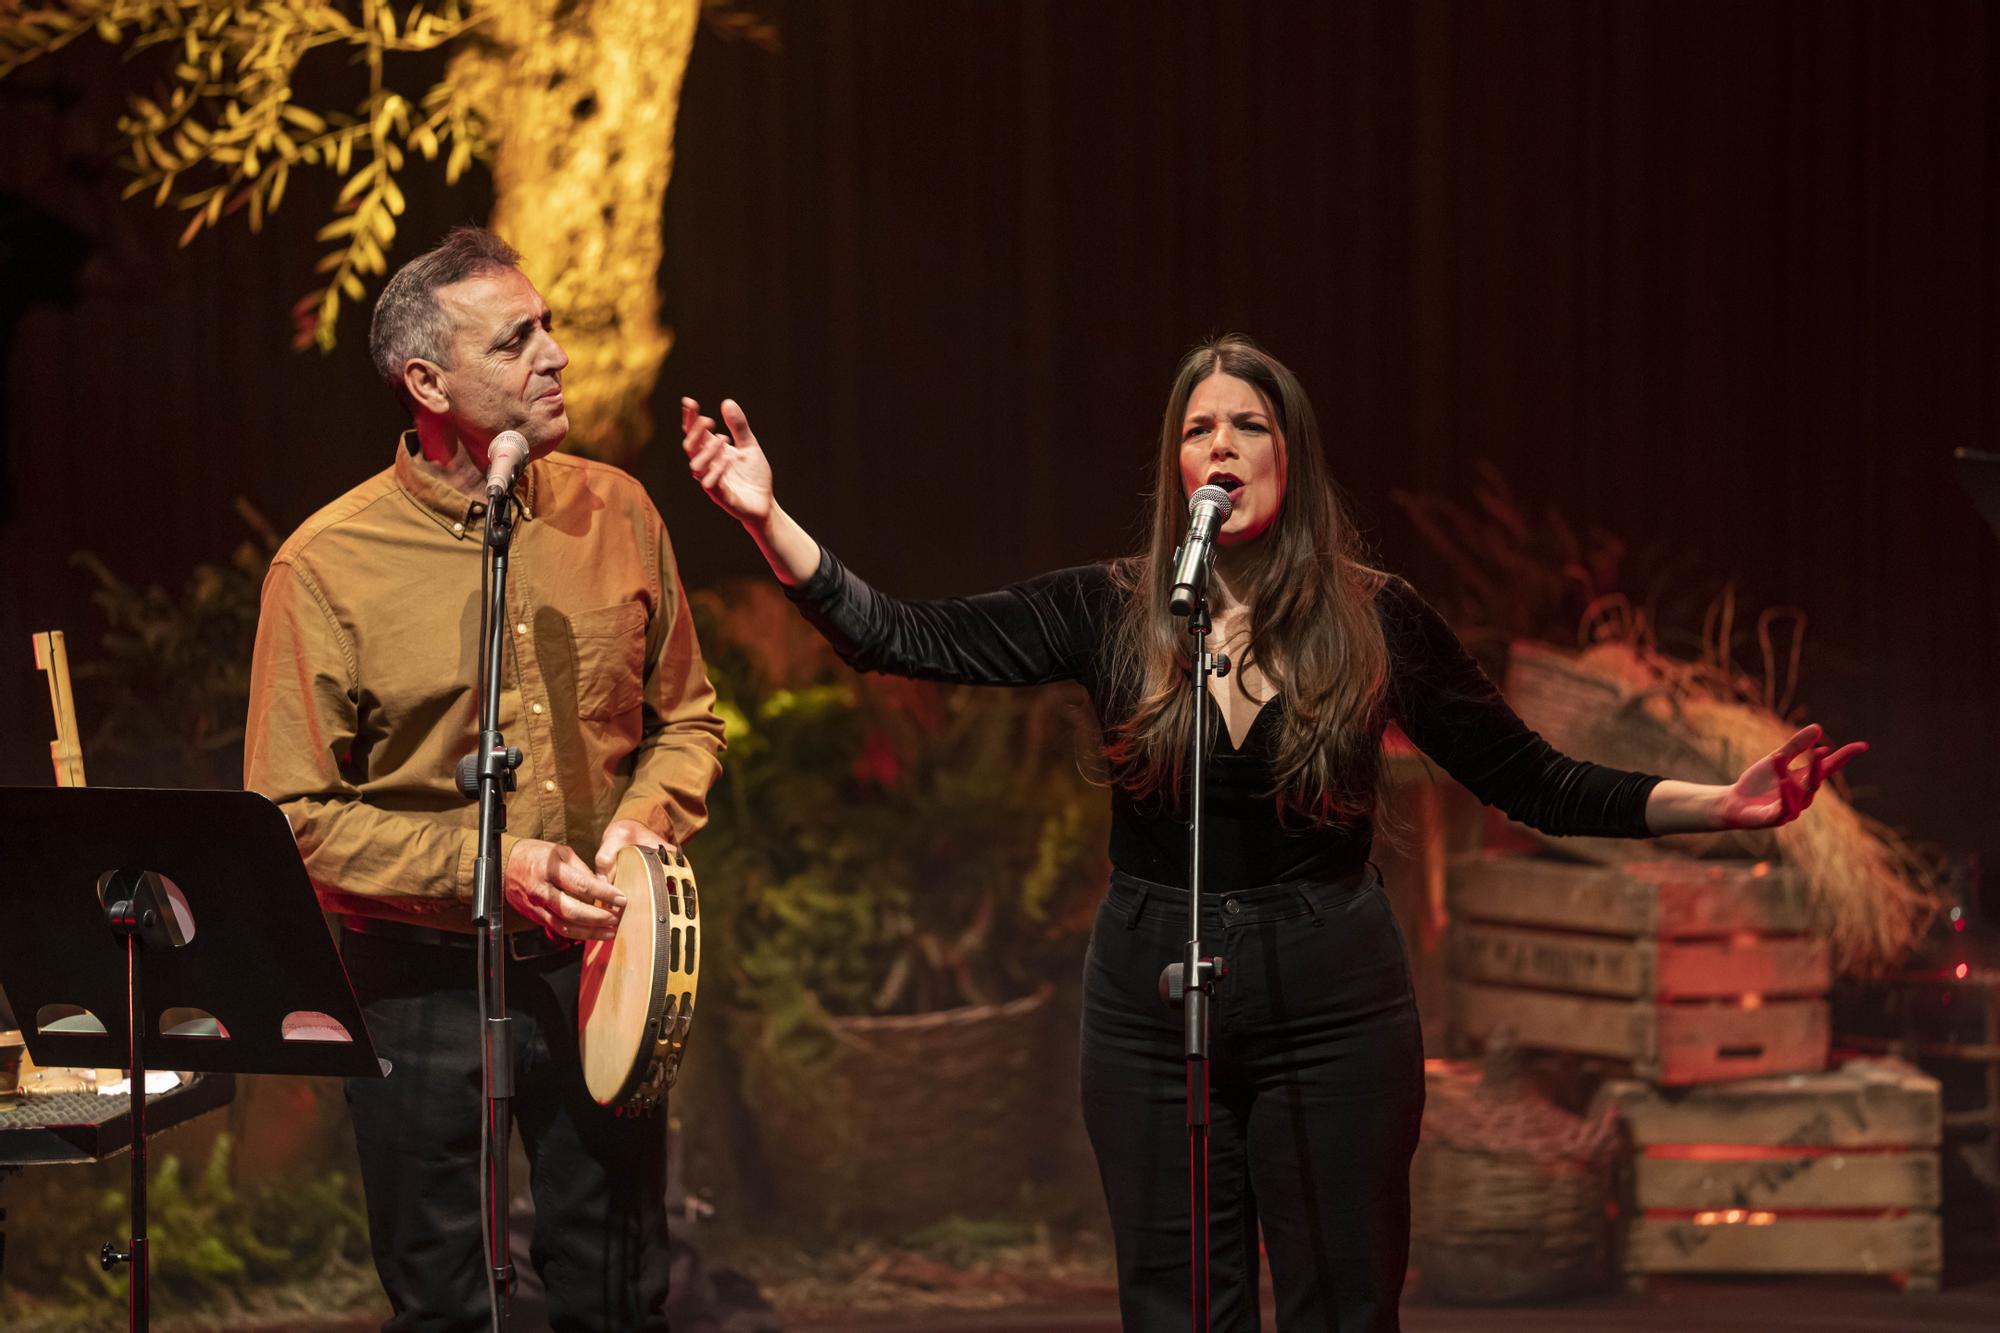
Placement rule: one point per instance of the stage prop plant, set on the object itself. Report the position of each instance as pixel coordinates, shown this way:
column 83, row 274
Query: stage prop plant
column 887, row 846
column 1585, row 667
column 570, row 103
column 898, row 877
column 164, row 699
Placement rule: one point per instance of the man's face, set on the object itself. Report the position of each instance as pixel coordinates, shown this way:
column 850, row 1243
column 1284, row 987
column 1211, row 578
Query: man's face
column 506, row 365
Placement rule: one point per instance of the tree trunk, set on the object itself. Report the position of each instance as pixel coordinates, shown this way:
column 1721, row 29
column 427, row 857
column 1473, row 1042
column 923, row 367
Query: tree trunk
column 582, row 96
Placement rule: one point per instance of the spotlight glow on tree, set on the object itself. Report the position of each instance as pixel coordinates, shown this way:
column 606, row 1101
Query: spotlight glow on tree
column 571, row 103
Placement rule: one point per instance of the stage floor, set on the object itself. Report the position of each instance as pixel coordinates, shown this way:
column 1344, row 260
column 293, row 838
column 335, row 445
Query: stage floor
column 1681, row 1306
column 1686, row 1305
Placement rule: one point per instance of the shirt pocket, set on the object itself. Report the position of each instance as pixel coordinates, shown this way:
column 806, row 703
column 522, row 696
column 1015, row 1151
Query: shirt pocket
column 609, row 645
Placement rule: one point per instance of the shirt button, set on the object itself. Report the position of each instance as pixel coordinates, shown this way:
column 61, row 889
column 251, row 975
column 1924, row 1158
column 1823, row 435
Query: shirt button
column 1231, row 906
column 535, row 708
column 458, row 529
column 521, row 629
column 548, row 786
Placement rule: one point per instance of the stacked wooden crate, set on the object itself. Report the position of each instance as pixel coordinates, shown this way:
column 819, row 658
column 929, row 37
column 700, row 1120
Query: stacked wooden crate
column 1834, row 1172
column 1699, row 979
column 1688, row 971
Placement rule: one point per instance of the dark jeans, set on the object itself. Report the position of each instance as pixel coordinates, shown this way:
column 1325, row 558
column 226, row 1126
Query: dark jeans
column 1316, row 1094
column 599, row 1179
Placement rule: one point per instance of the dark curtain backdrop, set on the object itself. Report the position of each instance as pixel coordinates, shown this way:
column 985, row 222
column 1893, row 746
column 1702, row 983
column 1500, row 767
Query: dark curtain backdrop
column 1719, row 277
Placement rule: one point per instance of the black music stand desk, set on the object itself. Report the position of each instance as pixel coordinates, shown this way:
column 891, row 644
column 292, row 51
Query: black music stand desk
column 255, row 988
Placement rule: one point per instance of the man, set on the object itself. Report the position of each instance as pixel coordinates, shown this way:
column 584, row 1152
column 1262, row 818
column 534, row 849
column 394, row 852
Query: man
column 363, row 698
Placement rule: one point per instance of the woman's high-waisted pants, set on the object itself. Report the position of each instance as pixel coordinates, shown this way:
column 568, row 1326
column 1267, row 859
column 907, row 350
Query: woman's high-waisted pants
column 1316, row 1095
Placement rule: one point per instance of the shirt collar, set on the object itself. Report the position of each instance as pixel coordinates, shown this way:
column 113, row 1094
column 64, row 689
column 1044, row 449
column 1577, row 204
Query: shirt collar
column 452, row 509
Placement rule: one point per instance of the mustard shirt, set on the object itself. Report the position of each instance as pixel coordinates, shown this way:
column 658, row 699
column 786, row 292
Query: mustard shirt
column 364, row 691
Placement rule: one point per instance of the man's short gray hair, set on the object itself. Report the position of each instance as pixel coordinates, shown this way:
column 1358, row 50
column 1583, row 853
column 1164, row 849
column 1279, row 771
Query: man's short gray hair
column 409, row 323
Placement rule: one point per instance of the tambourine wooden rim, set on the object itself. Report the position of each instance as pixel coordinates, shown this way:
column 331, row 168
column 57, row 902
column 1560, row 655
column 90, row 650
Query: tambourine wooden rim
column 636, row 1002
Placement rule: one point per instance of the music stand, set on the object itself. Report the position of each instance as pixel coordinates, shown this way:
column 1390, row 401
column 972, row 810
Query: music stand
column 1979, row 473
column 201, row 896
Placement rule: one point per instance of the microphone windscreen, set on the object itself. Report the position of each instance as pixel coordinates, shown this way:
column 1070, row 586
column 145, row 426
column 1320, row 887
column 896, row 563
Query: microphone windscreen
column 510, row 445
column 1214, row 495
column 504, row 456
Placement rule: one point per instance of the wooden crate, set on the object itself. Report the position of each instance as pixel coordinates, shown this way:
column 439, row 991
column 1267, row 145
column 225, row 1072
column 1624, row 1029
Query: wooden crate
column 1834, row 1172
column 1691, row 971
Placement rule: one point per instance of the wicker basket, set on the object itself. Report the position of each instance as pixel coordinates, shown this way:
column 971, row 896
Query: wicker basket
column 914, row 1118
column 1588, row 715
column 1509, row 1193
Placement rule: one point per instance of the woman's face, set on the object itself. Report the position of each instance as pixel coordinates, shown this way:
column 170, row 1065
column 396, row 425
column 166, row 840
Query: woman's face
column 1229, row 438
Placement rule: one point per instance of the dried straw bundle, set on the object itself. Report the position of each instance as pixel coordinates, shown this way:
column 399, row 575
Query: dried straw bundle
column 1873, row 894
column 1621, row 701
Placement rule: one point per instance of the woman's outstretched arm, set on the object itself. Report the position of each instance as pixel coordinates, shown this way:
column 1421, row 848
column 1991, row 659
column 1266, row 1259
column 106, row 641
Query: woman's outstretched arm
column 1455, row 714
column 1029, row 633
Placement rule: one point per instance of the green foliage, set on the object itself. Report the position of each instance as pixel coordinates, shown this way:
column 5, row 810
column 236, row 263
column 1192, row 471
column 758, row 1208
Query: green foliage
column 225, row 134
column 883, row 845
column 219, row 131
column 173, row 683
column 212, row 1244
column 967, row 1241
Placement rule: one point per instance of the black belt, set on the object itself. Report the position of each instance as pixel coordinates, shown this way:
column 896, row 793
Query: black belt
column 522, row 946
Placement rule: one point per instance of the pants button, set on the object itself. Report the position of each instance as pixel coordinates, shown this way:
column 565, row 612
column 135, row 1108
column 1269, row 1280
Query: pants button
column 1231, row 906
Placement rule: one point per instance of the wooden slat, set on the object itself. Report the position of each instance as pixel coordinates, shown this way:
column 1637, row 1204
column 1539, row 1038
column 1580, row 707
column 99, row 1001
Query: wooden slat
column 1663, row 898
column 1884, row 1245
column 1622, row 1029
column 1541, row 891
column 1601, row 965
column 1722, row 898
column 1558, row 960
column 1672, row 1044
column 1710, row 1042
column 1865, row 1103
column 1788, row 965
column 1821, row 1180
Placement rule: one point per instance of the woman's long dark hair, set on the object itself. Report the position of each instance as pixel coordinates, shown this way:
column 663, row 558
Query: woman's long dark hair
column 1313, row 628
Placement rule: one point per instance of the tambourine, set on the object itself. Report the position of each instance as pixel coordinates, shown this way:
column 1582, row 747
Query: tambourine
column 636, row 1003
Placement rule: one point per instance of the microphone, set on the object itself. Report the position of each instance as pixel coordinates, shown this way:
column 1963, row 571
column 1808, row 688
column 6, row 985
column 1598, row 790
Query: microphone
column 1208, row 510
column 504, row 458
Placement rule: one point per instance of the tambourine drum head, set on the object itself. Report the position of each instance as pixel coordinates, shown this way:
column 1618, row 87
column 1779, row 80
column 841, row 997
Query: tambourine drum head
column 623, row 982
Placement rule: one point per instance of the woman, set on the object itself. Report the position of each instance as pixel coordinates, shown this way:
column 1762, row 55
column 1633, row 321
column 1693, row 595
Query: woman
column 1317, row 1081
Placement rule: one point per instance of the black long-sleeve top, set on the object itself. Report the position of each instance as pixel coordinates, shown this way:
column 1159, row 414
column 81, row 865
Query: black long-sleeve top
column 1058, row 627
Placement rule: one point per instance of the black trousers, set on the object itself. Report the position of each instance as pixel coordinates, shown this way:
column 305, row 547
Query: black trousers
column 599, row 1180
column 1316, row 1095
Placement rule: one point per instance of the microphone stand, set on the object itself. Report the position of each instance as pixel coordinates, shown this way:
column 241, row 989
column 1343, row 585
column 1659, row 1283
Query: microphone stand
column 486, row 775
column 1190, row 983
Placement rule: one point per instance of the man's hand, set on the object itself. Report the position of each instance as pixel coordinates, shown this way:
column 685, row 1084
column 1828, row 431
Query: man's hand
column 624, row 833
column 550, row 885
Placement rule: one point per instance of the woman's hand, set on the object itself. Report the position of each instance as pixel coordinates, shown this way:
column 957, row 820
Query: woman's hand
column 1777, row 788
column 1769, row 793
column 737, row 477
column 731, row 468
